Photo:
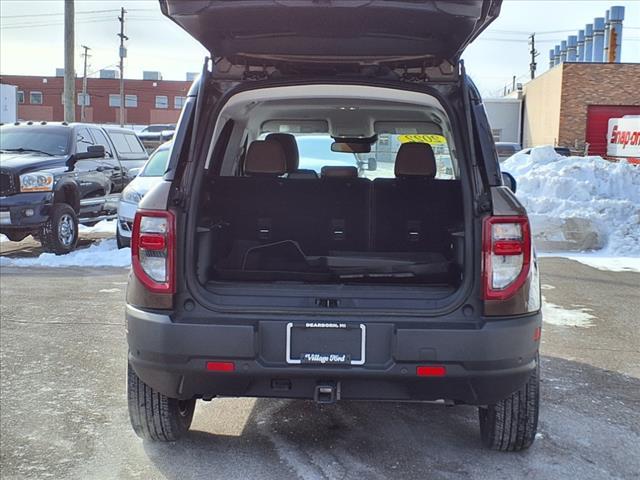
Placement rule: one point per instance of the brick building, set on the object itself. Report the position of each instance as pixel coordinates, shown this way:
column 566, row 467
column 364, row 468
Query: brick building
column 146, row 101
column 570, row 104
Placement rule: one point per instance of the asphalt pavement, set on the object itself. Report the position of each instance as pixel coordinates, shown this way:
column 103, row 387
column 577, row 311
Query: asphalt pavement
column 63, row 407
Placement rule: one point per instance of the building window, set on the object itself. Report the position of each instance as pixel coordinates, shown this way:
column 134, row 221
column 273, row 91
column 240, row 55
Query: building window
column 84, row 98
column 20, row 96
column 162, row 101
column 131, row 101
column 178, row 102
column 35, row 98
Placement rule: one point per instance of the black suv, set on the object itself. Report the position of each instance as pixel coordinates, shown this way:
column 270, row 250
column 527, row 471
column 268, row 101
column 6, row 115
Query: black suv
column 389, row 263
column 54, row 176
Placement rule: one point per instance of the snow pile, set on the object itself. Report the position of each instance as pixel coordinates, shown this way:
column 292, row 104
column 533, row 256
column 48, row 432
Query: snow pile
column 579, row 203
column 102, row 254
column 3, row 238
column 104, row 226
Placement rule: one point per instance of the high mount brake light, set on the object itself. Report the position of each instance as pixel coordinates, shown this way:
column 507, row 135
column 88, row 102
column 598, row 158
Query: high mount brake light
column 153, row 250
column 506, row 256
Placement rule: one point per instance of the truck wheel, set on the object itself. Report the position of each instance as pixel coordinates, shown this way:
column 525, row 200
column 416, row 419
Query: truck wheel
column 511, row 424
column 155, row 416
column 59, row 234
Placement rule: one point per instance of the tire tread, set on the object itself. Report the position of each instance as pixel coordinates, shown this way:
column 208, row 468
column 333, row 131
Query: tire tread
column 511, row 424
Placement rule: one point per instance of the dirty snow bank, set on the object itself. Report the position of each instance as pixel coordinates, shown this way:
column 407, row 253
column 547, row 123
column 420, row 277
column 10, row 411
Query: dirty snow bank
column 102, row 254
column 579, row 203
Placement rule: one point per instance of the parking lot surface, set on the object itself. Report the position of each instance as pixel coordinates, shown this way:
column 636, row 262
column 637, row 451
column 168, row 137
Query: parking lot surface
column 63, row 406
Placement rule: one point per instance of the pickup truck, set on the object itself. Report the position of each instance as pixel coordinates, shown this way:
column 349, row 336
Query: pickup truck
column 55, row 176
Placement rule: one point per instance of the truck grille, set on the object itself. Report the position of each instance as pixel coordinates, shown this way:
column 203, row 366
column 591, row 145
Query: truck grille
column 7, row 184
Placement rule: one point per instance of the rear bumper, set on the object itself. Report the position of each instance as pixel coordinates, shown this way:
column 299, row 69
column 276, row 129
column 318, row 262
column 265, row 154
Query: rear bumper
column 25, row 210
column 483, row 365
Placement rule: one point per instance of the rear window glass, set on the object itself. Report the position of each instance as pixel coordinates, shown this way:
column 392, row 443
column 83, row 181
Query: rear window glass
column 315, row 152
column 126, row 143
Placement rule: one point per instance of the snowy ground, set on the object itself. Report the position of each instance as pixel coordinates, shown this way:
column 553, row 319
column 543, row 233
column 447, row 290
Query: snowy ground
column 104, row 253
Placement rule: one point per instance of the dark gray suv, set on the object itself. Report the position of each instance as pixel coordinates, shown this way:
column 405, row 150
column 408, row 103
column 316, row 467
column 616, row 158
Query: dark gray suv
column 407, row 275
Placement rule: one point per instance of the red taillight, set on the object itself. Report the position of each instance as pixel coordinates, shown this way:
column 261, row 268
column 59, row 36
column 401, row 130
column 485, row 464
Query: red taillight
column 153, row 250
column 431, row 371
column 221, row 366
column 152, row 241
column 506, row 256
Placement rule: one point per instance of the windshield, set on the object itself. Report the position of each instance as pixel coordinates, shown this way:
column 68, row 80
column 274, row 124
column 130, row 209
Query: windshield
column 157, row 164
column 158, row 128
column 52, row 141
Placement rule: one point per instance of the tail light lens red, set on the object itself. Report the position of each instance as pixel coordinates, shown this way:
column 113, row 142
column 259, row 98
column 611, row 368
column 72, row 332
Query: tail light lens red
column 153, row 250
column 506, row 252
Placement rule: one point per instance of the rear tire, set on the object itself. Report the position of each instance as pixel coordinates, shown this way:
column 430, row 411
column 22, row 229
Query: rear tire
column 511, row 424
column 59, row 234
column 154, row 416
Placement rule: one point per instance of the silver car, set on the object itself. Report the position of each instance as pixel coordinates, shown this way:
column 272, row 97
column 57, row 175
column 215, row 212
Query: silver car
column 150, row 175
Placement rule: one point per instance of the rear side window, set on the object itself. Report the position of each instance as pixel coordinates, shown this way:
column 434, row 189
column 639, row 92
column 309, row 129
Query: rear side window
column 127, row 144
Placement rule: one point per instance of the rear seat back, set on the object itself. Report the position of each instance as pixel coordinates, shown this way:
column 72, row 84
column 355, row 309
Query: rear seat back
column 414, row 211
column 338, row 212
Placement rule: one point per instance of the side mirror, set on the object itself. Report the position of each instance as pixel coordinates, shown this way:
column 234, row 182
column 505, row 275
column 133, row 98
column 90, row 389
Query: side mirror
column 93, row 151
column 134, row 172
column 508, row 180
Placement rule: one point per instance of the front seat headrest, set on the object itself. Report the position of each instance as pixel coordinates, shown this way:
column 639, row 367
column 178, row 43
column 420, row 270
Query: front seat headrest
column 265, row 157
column 290, row 146
column 338, row 172
column 415, row 160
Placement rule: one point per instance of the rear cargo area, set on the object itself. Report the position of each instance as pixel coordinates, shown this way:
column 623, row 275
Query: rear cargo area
column 332, row 230
column 288, row 207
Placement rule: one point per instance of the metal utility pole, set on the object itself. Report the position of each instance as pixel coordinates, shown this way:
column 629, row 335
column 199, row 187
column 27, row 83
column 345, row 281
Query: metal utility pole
column 123, row 54
column 534, row 53
column 69, row 61
column 84, row 83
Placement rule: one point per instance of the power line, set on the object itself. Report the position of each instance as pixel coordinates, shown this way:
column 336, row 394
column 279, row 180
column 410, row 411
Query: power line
column 86, row 12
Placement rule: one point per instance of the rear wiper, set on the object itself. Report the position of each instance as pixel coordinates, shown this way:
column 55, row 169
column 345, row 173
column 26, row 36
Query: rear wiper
column 26, row 150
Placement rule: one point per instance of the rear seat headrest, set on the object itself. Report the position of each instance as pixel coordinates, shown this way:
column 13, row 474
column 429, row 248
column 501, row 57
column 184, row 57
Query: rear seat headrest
column 265, row 157
column 415, row 160
column 290, row 146
column 339, row 172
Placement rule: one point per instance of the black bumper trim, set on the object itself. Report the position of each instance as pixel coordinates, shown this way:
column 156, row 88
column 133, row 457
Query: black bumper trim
column 483, row 366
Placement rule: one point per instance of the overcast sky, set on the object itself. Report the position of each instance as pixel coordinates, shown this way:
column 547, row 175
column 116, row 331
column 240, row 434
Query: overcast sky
column 31, row 38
